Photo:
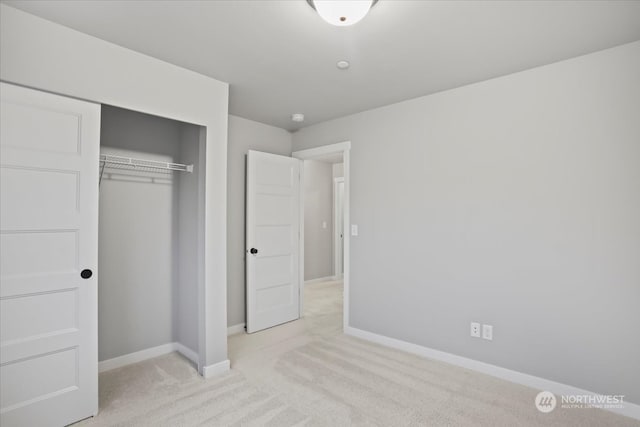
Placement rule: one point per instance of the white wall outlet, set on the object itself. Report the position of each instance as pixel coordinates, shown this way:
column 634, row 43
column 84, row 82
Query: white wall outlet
column 354, row 229
column 487, row 332
column 475, row 329
column 324, row 224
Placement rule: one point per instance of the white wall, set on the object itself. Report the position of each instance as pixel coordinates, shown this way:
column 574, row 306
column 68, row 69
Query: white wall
column 318, row 208
column 513, row 202
column 44, row 55
column 244, row 135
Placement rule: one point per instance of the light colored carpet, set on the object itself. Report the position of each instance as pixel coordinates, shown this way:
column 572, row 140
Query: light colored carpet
column 307, row 373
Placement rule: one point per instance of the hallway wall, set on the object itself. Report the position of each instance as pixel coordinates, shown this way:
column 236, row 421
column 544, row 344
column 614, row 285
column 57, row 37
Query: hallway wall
column 318, row 211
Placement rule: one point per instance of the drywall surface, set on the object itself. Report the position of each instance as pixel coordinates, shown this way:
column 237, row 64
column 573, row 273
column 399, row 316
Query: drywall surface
column 318, row 209
column 137, row 233
column 513, row 202
column 244, row 135
column 187, row 239
column 44, row 55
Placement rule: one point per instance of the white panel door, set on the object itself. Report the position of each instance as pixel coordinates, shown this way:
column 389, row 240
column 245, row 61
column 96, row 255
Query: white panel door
column 49, row 233
column 273, row 226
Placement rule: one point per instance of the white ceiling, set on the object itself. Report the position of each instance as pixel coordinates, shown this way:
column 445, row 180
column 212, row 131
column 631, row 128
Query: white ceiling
column 279, row 56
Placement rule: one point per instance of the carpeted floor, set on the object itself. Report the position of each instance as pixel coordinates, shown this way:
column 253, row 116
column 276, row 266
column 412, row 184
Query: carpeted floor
column 307, row 373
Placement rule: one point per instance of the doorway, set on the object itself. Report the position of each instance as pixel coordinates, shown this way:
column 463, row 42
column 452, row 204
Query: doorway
column 323, row 308
column 335, row 154
column 105, row 204
column 149, row 247
column 275, row 234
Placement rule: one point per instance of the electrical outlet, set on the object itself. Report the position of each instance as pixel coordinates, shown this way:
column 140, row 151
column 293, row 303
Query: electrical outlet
column 354, row 230
column 475, row 329
column 487, row 332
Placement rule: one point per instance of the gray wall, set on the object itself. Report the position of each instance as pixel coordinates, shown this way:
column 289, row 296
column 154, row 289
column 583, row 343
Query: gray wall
column 190, row 194
column 513, row 202
column 148, row 236
column 318, row 207
column 244, row 135
column 137, row 230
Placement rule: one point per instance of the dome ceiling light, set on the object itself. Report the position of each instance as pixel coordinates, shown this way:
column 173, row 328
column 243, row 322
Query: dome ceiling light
column 342, row 13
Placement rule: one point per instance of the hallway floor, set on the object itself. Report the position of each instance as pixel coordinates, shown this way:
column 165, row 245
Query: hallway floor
column 322, row 318
column 308, row 373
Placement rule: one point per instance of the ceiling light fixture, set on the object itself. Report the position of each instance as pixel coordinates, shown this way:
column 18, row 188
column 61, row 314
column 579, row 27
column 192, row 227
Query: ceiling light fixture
column 297, row 117
column 342, row 12
column 343, row 65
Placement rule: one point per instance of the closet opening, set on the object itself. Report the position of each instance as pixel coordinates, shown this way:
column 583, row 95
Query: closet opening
column 151, row 237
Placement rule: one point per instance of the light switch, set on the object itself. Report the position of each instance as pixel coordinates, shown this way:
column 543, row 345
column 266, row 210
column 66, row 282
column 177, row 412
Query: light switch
column 324, row 224
column 354, row 229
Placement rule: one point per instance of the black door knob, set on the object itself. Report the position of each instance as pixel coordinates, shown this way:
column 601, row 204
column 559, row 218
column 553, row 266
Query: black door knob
column 85, row 274
column 253, row 251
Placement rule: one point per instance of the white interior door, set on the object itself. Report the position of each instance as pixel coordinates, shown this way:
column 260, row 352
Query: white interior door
column 49, row 235
column 273, row 226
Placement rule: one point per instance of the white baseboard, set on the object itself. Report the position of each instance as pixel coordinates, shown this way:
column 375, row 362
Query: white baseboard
column 186, row 352
column 138, row 356
column 216, row 369
column 319, row 279
column 149, row 353
column 629, row 409
column 235, row 329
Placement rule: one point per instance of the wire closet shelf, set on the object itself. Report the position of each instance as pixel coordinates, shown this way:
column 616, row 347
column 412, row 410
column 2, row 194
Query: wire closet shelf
column 142, row 165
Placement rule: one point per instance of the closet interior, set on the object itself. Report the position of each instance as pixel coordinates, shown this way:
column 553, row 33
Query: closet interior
column 150, row 234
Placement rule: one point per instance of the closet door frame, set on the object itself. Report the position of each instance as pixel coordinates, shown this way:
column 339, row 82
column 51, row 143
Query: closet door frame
column 207, row 317
column 47, row 56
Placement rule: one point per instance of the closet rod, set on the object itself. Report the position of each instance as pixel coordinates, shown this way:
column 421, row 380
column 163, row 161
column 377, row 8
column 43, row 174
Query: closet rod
column 108, row 159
